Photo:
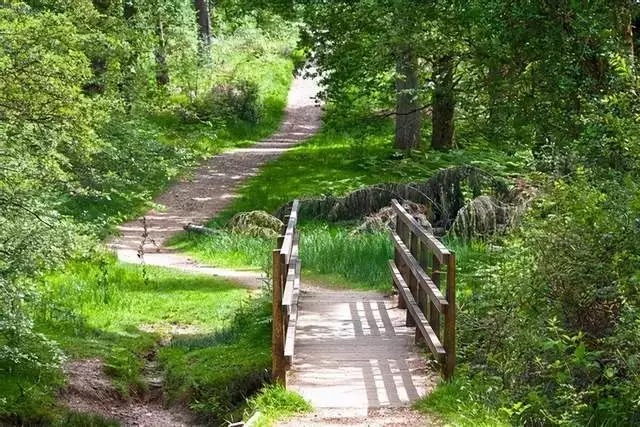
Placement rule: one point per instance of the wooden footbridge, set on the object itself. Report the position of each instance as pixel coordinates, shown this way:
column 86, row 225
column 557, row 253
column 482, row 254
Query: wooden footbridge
column 357, row 350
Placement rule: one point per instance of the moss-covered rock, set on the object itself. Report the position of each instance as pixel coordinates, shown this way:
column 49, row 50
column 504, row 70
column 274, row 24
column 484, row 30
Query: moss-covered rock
column 255, row 223
column 385, row 218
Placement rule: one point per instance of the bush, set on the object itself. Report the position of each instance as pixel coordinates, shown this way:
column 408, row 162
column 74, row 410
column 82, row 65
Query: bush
column 552, row 319
column 274, row 402
column 226, row 102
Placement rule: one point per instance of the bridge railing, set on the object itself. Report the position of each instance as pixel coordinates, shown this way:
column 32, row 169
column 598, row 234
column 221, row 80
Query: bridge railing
column 420, row 266
column 286, row 290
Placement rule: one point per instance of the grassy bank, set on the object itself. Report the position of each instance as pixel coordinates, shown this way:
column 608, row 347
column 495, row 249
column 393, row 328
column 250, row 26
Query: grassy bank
column 118, row 314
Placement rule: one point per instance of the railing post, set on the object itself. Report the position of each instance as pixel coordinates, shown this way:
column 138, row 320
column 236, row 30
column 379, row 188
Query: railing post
column 422, row 298
column 399, row 262
column 413, row 282
column 278, row 362
column 450, row 319
column 434, row 314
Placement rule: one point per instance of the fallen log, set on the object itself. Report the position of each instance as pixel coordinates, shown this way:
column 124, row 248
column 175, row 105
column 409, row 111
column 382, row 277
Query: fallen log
column 193, row 228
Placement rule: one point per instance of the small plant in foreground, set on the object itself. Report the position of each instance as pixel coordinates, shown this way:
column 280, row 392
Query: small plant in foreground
column 274, row 402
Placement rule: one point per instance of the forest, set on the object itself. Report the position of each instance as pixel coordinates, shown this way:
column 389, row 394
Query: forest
column 509, row 129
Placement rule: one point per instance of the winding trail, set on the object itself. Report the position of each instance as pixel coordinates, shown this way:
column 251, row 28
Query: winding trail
column 355, row 359
column 212, row 187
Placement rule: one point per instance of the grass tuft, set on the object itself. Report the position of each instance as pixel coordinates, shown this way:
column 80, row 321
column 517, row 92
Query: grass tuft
column 275, row 403
column 458, row 403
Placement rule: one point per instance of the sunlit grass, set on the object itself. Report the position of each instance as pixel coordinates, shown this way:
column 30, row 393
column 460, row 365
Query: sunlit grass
column 275, row 403
column 111, row 311
column 464, row 403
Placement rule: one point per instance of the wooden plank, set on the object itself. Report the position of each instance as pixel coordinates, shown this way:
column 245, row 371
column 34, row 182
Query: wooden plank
column 291, row 332
column 287, row 296
column 450, row 319
column 434, row 244
column 421, row 321
column 293, row 282
column 278, row 361
column 424, row 280
column 287, row 243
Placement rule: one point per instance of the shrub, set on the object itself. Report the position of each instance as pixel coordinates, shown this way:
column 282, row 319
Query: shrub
column 226, row 102
column 553, row 317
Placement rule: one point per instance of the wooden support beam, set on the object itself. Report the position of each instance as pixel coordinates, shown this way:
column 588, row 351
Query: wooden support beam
column 421, row 321
column 436, row 297
column 434, row 314
column 278, row 361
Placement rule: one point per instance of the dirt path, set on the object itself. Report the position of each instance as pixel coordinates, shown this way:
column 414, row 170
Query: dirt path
column 356, row 362
column 212, row 187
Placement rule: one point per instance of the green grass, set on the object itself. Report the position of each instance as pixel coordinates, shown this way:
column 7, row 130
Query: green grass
column 109, row 311
column 112, row 312
column 215, row 373
column 275, row 403
column 464, row 402
column 341, row 158
column 330, row 254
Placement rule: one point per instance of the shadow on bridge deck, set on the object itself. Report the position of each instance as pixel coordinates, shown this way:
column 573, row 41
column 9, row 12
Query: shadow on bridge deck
column 355, row 354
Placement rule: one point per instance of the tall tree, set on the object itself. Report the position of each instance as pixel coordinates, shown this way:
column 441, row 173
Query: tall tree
column 204, row 22
column 443, row 104
column 408, row 111
column 373, row 54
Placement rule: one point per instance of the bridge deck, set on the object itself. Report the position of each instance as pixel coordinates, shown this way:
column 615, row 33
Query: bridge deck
column 353, row 353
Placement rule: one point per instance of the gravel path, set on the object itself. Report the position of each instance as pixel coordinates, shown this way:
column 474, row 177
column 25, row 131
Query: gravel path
column 213, row 186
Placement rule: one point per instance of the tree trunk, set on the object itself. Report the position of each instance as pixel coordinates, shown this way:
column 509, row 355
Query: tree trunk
column 628, row 35
column 127, row 86
column 443, row 105
column 162, row 70
column 204, row 23
column 408, row 111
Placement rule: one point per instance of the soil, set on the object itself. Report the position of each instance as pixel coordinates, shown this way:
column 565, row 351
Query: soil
column 388, row 417
column 89, row 390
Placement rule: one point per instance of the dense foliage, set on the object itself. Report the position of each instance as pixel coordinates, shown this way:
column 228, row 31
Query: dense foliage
column 102, row 104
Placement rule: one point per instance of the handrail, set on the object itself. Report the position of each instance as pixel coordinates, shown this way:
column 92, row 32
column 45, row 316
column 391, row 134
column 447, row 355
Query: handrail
column 417, row 252
column 434, row 244
column 287, row 243
column 425, row 281
column 421, row 321
column 285, row 290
